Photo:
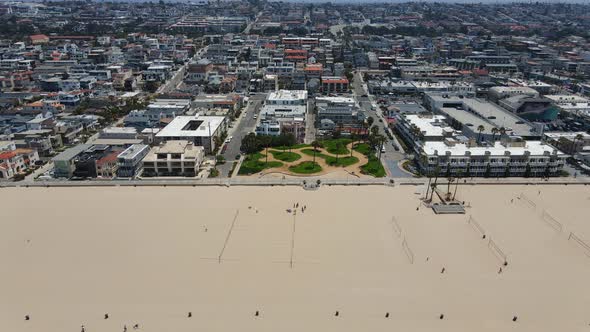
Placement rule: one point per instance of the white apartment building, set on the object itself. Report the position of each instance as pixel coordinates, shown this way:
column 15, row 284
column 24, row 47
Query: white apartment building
column 199, row 130
column 574, row 104
column 439, row 148
column 284, row 110
column 512, row 156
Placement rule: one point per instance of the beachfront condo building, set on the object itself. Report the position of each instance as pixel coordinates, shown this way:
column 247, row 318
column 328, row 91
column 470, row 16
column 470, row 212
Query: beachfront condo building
column 441, row 149
column 173, row 158
column 129, row 161
column 512, row 156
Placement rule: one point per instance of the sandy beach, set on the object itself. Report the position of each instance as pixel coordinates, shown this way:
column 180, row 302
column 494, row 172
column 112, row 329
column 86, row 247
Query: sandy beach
column 151, row 255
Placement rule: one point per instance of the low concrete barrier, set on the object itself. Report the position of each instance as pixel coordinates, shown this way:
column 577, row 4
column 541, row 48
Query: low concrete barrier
column 251, row 181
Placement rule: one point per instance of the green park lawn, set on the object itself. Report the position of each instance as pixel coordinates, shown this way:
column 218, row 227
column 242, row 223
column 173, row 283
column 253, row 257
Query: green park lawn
column 342, row 160
column 306, row 167
column 293, row 147
column 285, row 156
column 363, row 148
column 333, row 146
column 373, row 167
column 254, row 163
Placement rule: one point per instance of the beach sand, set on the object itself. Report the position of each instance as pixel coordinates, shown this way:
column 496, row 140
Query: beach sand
column 150, row 255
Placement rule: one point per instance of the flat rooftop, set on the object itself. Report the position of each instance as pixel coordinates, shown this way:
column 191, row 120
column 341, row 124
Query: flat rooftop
column 536, row 148
column 150, row 255
column 499, row 116
column 468, row 119
column 570, row 135
column 71, row 152
column 184, row 148
column 117, row 141
column 191, row 126
column 335, row 100
column 480, row 112
column 568, row 99
column 431, row 125
column 287, row 95
column 133, row 151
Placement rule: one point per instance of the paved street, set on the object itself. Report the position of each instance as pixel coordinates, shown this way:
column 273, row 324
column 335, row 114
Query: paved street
column 310, row 129
column 243, row 126
column 178, row 76
column 390, row 158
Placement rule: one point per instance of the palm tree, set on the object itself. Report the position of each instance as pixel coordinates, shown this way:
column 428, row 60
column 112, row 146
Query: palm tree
column 375, row 130
column 459, row 173
column 381, row 139
column 480, row 128
column 369, row 123
column 436, row 172
column 578, row 138
column 424, row 160
column 494, row 132
column 266, row 141
column 449, row 181
column 315, row 145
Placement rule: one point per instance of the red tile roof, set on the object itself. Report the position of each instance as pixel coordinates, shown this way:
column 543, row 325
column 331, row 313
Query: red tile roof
column 7, row 155
column 39, row 37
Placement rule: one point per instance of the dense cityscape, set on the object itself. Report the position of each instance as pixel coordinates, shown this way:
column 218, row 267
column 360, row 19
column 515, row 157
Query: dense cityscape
column 135, row 90
column 157, row 160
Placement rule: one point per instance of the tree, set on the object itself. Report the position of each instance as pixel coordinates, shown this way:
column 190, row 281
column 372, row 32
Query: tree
column 381, row 140
column 459, row 173
column 375, row 130
column 316, row 145
column 370, row 121
column 480, row 128
column 449, row 181
column 494, row 132
column 266, row 140
column 250, row 143
column 578, row 138
column 436, row 173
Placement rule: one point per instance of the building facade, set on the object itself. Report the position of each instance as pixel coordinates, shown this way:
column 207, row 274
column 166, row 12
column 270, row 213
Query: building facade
column 173, row 158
